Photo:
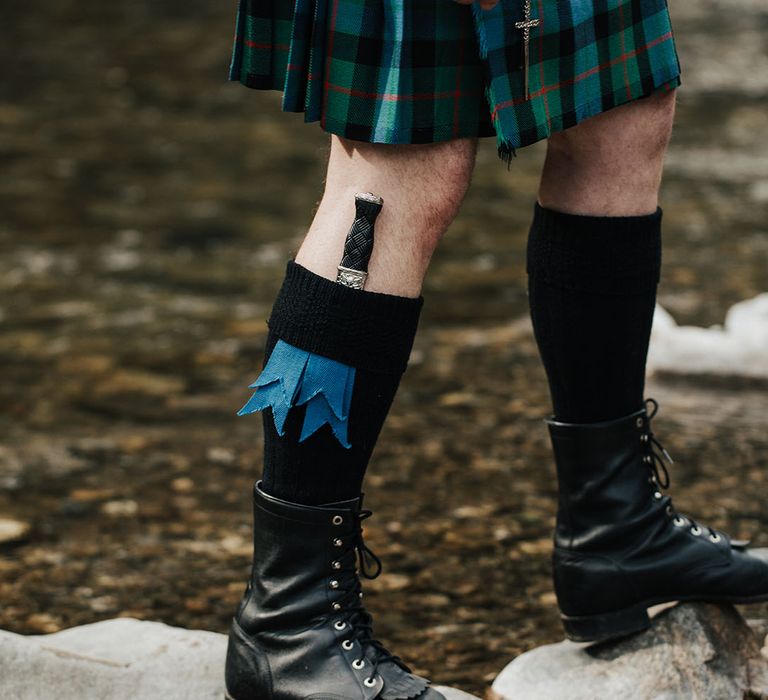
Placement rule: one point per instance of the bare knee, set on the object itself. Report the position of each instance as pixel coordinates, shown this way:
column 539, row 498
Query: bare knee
column 611, row 164
column 423, row 186
column 639, row 130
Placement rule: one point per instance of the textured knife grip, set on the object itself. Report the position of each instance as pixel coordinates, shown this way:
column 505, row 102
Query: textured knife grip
column 359, row 244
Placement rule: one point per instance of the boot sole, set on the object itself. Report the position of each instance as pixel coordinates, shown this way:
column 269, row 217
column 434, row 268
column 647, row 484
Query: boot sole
column 622, row 623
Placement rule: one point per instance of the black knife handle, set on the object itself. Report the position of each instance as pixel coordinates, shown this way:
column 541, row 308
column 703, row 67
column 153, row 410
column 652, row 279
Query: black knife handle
column 359, row 244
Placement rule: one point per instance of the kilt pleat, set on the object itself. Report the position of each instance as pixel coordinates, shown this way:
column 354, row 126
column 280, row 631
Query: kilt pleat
column 420, row 71
column 303, row 85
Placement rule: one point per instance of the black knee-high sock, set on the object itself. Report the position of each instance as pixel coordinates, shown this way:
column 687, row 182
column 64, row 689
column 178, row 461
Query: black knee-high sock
column 368, row 331
column 592, row 292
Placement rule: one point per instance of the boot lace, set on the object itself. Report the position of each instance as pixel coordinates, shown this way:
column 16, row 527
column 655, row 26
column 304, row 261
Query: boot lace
column 657, row 458
column 357, row 560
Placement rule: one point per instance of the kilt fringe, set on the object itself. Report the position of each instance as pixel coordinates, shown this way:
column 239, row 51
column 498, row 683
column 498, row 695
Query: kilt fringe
column 504, row 147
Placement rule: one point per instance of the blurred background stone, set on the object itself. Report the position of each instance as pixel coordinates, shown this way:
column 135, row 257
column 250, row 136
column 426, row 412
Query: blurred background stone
column 736, row 348
column 12, row 530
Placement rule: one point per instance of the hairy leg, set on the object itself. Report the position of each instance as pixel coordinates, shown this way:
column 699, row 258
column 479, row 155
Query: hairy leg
column 369, row 330
column 610, row 165
column 422, row 187
column 594, row 257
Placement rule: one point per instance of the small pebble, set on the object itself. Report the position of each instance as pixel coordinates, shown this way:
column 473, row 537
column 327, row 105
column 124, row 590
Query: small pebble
column 119, row 509
column 183, row 485
column 13, row 530
column 221, row 455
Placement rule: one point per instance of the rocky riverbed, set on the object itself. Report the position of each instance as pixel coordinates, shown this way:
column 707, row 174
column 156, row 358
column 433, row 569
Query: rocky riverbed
column 146, row 211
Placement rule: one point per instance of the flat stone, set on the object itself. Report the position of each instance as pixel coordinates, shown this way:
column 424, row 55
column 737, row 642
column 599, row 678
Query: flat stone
column 694, row 650
column 121, row 659
column 453, row 694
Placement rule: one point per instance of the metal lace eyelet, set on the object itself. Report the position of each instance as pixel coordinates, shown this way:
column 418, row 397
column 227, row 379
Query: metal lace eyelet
column 336, row 565
column 339, row 625
column 347, row 645
column 337, row 520
column 647, row 459
column 336, row 606
column 658, row 495
column 334, row 584
column 358, row 664
column 669, row 510
column 369, row 682
column 679, row 522
column 696, row 531
column 644, row 437
column 639, row 421
column 715, row 538
column 337, row 542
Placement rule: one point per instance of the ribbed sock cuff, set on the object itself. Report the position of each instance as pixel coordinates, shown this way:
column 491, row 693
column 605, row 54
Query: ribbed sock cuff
column 600, row 254
column 366, row 330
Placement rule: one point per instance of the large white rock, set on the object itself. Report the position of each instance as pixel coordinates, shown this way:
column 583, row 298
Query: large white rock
column 692, row 651
column 122, row 659
column 737, row 348
column 113, row 660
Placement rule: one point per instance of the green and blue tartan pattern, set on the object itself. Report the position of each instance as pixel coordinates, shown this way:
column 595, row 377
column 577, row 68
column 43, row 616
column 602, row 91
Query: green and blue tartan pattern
column 368, row 70
column 420, row 71
column 586, row 57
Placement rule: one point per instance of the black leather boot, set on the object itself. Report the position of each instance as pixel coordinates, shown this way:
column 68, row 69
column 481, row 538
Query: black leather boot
column 620, row 547
column 301, row 630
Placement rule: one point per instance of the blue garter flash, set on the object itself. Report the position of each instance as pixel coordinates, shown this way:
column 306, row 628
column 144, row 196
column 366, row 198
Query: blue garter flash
column 293, row 377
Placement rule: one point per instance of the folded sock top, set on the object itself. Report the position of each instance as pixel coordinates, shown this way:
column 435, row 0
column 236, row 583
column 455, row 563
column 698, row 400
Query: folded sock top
column 602, row 254
column 366, row 330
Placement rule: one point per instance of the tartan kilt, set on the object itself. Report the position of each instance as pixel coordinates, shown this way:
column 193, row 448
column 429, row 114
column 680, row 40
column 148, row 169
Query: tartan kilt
column 421, row 71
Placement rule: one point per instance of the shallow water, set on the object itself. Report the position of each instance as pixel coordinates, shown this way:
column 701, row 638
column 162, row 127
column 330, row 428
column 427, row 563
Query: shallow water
column 146, row 211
